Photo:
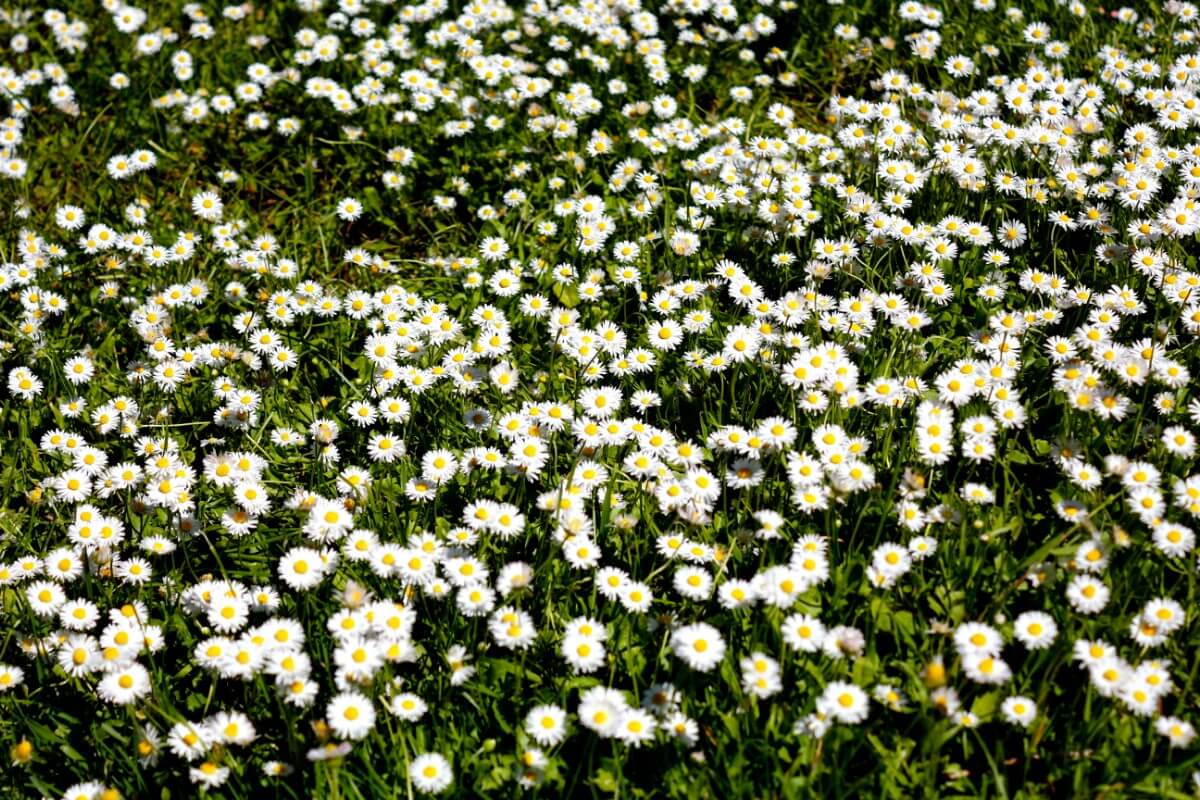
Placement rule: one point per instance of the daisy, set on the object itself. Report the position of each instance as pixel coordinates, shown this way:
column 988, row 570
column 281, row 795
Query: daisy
column 231, row 727
column 1178, row 732
column 493, row 248
column 10, row 677
column 1018, row 710
column 408, row 707
column 351, row 715
column 803, row 633
column 1087, row 595
column 584, row 654
column 844, row 702
column 430, row 773
column 349, row 209
column 636, row 727
column 79, row 655
column 974, row 638
column 209, row 774
column 125, row 685
column 45, row 598
column 636, row 597
column 301, row 568
column 698, row 645
column 546, row 724
column 983, row 668
column 1035, row 629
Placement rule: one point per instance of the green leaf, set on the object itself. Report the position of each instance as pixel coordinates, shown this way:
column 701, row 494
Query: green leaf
column 985, row 705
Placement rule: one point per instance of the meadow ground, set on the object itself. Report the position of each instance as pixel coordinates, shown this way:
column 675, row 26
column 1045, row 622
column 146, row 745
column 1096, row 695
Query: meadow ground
column 610, row 398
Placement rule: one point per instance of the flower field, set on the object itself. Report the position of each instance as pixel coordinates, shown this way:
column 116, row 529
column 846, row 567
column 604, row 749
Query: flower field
column 599, row 398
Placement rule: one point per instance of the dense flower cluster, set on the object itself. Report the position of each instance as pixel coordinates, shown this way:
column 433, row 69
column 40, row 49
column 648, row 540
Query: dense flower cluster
column 606, row 403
